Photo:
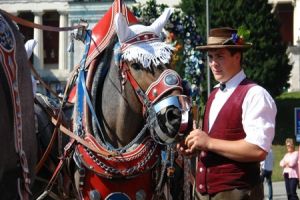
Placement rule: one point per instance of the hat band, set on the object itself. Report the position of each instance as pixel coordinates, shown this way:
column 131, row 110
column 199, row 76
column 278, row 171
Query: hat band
column 216, row 40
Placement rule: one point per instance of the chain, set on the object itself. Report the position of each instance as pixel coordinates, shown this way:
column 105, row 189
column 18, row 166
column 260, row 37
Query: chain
column 128, row 171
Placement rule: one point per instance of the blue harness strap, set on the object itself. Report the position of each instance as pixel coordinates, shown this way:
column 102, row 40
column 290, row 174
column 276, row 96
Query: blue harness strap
column 81, row 89
column 82, row 93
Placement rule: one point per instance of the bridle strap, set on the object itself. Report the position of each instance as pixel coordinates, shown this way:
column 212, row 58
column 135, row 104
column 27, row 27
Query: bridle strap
column 148, row 98
column 140, row 93
column 159, row 87
column 80, row 140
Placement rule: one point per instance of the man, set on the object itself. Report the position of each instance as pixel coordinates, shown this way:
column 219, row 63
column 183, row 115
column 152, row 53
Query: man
column 238, row 125
column 266, row 172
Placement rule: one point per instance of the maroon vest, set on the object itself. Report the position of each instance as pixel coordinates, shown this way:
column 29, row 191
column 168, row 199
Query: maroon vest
column 216, row 173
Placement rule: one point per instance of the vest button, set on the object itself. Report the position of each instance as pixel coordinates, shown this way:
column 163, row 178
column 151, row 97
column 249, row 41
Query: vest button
column 203, row 153
column 200, row 169
column 208, row 170
column 200, row 186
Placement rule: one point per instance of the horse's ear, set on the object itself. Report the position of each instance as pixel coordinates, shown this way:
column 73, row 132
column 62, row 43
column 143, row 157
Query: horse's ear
column 122, row 28
column 160, row 22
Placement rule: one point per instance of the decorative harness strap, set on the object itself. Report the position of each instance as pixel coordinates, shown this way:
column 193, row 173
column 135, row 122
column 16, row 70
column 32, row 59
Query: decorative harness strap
column 7, row 52
column 168, row 80
column 128, row 164
column 104, row 30
column 143, row 37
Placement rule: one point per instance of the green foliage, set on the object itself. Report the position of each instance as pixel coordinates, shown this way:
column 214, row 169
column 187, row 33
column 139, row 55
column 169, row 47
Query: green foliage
column 244, row 32
column 289, row 95
column 266, row 62
column 149, row 12
column 285, row 120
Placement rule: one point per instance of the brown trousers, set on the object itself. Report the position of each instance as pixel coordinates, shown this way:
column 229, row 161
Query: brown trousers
column 255, row 193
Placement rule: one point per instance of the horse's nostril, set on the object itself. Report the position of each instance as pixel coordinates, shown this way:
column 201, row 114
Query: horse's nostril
column 173, row 120
column 173, row 115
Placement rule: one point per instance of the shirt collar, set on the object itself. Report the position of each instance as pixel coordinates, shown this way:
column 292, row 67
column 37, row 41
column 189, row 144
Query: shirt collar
column 234, row 81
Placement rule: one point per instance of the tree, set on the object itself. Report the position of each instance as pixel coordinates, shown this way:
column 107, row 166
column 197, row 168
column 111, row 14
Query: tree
column 266, row 62
column 181, row 32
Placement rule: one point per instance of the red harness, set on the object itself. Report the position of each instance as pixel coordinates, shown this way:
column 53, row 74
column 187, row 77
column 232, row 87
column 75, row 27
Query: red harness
column 109, row 175
column 113, row 174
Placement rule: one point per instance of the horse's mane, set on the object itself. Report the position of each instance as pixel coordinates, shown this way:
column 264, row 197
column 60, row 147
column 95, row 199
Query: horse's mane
column 103, row 63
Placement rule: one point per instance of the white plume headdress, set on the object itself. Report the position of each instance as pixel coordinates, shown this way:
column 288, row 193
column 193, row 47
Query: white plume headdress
column 142, row 43
column 29, row 46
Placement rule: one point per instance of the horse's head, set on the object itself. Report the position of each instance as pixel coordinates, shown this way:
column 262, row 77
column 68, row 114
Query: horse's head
column 144, row 61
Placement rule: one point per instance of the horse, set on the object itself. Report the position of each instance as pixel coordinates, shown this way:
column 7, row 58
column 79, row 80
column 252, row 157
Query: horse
column 129, row 112
column 131, row 109
column 18, row 142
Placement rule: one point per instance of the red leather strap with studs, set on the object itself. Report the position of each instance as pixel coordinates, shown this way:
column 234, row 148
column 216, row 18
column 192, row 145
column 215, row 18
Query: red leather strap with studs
column 158, row 88
column 140, row 38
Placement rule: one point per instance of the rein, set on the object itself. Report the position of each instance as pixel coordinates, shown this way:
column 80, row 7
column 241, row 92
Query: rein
column 56, row 121
column 42, row 27
column 38, row 77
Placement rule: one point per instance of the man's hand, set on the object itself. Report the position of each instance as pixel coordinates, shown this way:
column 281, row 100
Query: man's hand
column 194, row 142
column 182, row 149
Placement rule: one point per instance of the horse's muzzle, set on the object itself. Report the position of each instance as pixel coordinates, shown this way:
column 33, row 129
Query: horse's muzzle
column 173, row 118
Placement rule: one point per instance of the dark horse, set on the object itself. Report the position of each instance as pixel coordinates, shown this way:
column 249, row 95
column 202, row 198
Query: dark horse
column 18, row 141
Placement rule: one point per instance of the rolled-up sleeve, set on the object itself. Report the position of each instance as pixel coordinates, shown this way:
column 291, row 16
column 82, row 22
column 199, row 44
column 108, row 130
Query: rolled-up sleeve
column 259, row 113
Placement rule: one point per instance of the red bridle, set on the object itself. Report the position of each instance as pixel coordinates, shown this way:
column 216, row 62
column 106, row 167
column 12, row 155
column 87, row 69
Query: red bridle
column 167, row 81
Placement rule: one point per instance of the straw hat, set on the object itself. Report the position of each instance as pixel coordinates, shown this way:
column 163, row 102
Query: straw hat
column 225, row 38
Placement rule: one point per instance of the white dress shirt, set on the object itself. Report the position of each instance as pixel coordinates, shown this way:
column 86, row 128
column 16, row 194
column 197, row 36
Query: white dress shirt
column 258, row 112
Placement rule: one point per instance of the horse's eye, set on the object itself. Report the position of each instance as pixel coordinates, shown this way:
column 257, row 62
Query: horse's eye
column 161, row 67
column 136, row 66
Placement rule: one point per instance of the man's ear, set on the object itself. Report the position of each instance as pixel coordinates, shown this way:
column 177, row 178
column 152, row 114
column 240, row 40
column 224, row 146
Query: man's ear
column 238, row 56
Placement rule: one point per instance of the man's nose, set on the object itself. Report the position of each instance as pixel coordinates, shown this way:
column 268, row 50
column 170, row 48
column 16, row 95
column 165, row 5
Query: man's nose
column 213, row 62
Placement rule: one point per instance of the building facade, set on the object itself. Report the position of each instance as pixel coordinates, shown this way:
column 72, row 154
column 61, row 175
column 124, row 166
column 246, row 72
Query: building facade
column 51, row 57
column 288, row 12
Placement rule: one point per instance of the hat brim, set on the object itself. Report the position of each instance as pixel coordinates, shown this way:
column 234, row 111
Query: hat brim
column 217, row 46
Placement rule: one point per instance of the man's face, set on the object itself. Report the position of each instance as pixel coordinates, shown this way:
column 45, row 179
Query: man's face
column 224, row 65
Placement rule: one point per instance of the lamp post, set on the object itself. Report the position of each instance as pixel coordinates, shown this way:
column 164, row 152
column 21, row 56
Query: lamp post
column 207, row 33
